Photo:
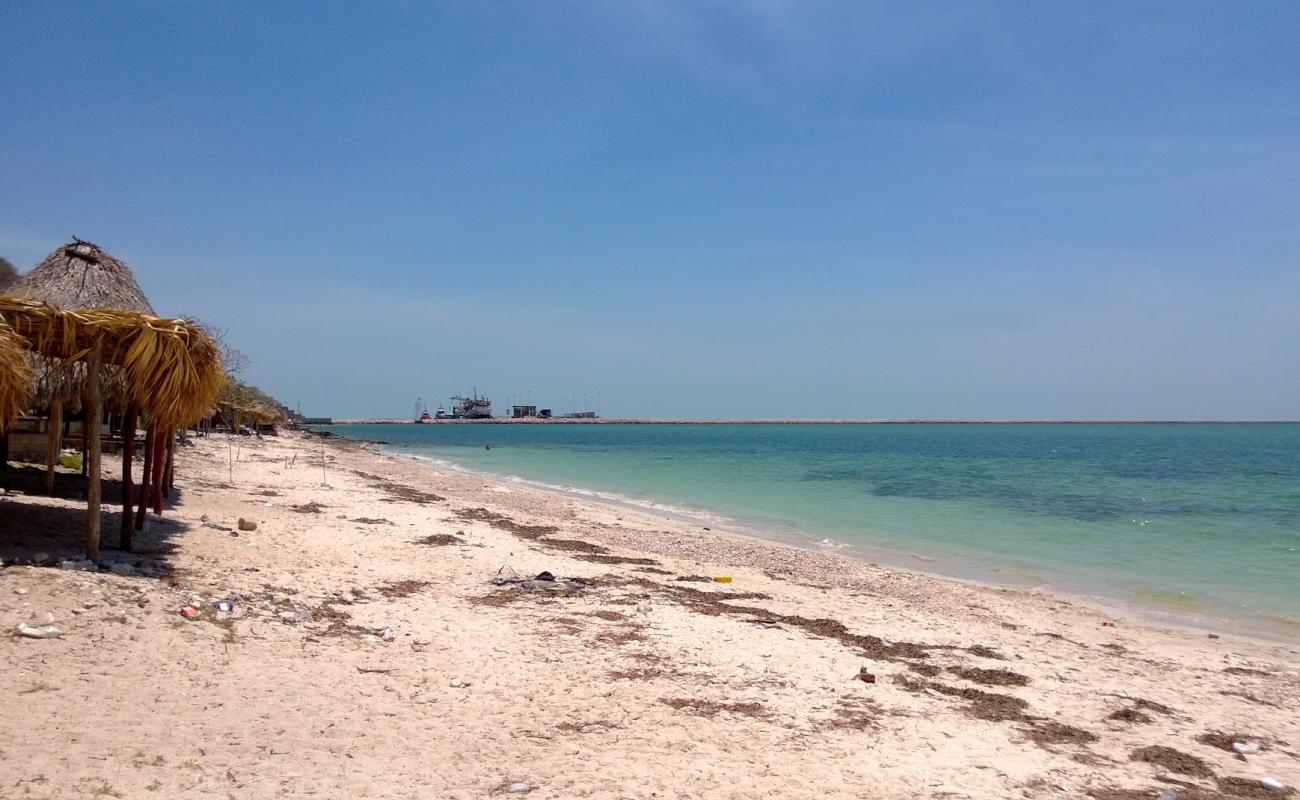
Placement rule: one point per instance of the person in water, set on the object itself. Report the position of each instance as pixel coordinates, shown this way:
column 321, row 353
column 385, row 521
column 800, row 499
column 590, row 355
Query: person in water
column 487, row 446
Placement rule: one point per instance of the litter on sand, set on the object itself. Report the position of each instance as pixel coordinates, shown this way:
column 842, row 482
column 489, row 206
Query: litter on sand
column 45, row 632
column 544, row 582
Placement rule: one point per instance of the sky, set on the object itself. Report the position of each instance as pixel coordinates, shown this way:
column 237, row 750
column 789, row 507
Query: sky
column 687, row 209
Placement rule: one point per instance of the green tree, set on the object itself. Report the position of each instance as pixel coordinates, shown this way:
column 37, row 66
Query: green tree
column 7, row 273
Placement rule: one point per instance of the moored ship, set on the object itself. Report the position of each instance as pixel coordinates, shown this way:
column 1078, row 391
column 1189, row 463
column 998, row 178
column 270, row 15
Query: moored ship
column 473, row 407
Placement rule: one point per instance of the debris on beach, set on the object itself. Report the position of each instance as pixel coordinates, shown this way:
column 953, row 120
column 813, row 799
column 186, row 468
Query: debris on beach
column 544, row 582
column 1173, row 760
column 439, row 540
column 865, row 675
column 189, row 612
column 44, row 632
column 376, row 634
column 247, row 524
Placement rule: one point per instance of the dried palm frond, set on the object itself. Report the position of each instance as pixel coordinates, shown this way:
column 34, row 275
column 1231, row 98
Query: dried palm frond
column 15, row 375
column 170, row 367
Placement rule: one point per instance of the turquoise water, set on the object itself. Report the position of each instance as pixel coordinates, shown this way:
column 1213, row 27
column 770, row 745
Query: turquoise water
column 1199, row 519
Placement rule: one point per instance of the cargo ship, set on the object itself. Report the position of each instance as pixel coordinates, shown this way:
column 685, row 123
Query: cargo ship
column 473, row 407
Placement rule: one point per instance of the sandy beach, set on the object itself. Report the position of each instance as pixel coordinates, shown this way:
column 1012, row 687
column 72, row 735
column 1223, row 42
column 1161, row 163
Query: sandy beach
column 392, row 635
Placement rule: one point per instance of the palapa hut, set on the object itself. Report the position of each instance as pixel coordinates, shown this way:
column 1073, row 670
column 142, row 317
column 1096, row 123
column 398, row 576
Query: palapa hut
column 169, row 370
column 77, row 275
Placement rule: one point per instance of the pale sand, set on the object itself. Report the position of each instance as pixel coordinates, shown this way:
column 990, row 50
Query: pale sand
column 639, row 687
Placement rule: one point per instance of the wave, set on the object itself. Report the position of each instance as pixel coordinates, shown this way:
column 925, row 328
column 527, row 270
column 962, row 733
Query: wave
column 582, row 492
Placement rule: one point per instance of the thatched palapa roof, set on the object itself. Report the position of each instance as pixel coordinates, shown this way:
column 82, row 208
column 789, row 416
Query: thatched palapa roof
column 171, row 367
column 81, row 275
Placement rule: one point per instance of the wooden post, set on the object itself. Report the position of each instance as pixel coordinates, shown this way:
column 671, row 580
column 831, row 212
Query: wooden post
column 53, row 443
column 95, row 409
column 150, row 434
column 169, row 480
column 128, row 499
column 4, row 452
column 159, row 462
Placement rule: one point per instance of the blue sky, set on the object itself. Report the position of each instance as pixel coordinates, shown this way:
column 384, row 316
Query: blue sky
column 694, row 209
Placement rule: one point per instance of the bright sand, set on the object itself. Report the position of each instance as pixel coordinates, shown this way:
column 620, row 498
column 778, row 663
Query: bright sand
column 637, row 686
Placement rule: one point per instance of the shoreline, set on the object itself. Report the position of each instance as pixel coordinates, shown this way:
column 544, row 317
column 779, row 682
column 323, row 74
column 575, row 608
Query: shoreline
column 795, row 421
column 385, row 610
column 1269, row 627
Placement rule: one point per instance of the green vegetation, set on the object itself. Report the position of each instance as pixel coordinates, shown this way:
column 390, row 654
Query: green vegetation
column 7, row 273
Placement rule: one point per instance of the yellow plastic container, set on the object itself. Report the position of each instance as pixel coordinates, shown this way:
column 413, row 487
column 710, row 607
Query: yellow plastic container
column 722, row 579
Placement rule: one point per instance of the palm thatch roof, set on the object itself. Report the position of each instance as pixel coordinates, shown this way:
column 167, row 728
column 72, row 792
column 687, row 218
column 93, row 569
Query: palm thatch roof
column 254, row 412
column 81, row 275
column 170, row 367
column 15, row 373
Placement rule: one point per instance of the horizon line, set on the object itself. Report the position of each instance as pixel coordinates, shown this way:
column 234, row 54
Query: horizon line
column 817, row 421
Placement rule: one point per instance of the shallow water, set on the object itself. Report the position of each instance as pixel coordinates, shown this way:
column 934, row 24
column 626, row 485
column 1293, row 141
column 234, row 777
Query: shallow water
column 1194, row 519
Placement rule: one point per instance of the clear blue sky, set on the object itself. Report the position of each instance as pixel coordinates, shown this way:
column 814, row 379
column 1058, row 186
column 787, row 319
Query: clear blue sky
column 694, row 209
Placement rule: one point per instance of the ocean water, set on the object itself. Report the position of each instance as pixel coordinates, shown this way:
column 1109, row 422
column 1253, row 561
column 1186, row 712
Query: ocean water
column 1195, row 522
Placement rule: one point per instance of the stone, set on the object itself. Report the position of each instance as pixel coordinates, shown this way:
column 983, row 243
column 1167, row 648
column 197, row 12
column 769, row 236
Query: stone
column 81, row 566
column 48, row 632
column 122, row 568
column 42, row 559
column 247, row 524
column 518, row 787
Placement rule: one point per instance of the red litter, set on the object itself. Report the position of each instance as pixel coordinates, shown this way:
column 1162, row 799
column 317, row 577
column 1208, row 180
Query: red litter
column 189, row 611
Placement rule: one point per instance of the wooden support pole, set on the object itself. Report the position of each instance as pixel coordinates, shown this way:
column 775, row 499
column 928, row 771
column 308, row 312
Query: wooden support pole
column 169, row 481
column 85, row 437
column 159, row 463
column 149, row 435
column 4, row 452
column 128, row 498
column 53, row 443
column 94, row 410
